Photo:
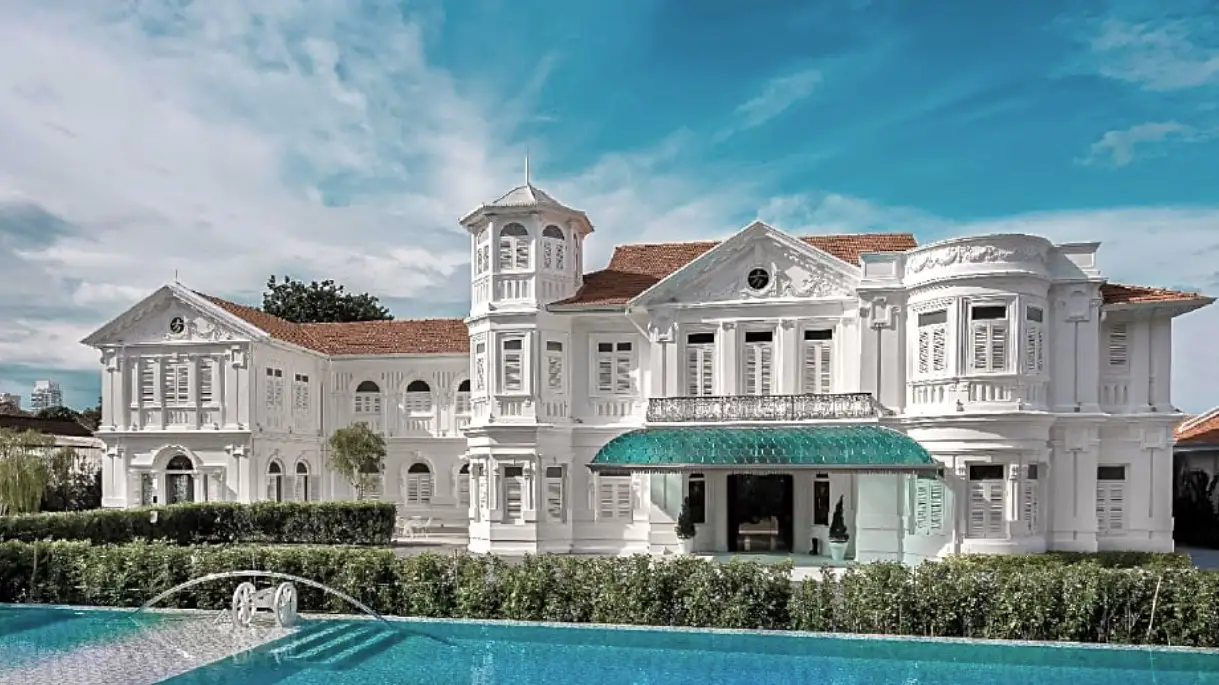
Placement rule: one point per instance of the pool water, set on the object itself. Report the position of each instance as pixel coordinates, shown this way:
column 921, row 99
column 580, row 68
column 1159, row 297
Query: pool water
column 35, row 632
column 333, row 652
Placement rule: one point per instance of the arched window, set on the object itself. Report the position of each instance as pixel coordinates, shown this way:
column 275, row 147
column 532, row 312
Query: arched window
column 368, row 399
column 463, row 486
column 372, row 484
column 275, row 481
column 463, row 398
column 300, row 487
column 418, row 484
column 418, row 400
column 179, row 480
column 554, row 248
column 513, row 248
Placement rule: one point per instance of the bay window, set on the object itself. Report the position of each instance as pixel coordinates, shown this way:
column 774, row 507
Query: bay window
column 988, row 331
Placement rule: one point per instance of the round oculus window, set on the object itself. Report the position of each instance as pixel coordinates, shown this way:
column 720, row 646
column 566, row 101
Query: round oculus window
column 177, row 325
column 758, row 279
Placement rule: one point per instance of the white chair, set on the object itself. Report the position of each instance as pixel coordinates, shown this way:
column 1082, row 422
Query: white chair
column 423, row 528
column 406, row 529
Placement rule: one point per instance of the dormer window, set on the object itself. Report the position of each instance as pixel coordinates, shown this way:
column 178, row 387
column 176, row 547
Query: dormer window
column 514, row 248
column 553, row 248
column 933, row 341
column 988, row 329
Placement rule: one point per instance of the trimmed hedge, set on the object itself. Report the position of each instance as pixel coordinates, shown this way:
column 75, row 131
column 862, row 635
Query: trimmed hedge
column 318, row 523
column 1070, row 599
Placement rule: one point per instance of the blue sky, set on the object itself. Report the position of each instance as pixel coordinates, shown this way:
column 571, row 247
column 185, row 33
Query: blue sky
column 331, row 138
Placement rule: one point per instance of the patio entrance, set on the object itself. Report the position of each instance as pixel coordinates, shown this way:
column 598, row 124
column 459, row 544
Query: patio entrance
column 760, row 512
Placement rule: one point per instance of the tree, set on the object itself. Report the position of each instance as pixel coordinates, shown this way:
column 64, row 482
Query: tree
column 324, row 302
column 838, row 526
column 74, row 483
column 24, row 470
column 685, row 521
column 356, row 454
column 58, row 414
column 91, row 418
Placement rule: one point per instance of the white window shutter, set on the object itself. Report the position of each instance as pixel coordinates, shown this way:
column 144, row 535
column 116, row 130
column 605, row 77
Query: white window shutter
column 825, row 380
column 205, row 381
column 998, row 347
column 980, row 346
column 512, row 498
column 554, row 498
column 605, row 373
column 522, row 254
column 605, row 499
column 622, row 373
column 505, row 252
column 1034, row 349
column 939, row 348
column 751, row 369
column 1119, row 350
column 624, row 500
column 810, row 375
column 554, row 372
column 1030, row 505
column 765, row 373
column 976, row 525
column 512, row 371
column 935, row 506
column 699, row 370
column 463, row 489
column 994, row 523
column 922, row 501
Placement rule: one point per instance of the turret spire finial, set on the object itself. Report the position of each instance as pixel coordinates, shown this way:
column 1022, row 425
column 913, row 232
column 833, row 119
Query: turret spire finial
column 528, row 180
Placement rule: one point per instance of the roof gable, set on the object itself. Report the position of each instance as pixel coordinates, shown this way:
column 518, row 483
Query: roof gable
column 148, row 321
column 1202, row 429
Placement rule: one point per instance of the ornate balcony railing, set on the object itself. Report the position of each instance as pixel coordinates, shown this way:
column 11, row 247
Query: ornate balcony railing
column 721, row 408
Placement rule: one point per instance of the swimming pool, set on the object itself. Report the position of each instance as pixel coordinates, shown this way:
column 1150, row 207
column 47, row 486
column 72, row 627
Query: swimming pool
column 35, row 632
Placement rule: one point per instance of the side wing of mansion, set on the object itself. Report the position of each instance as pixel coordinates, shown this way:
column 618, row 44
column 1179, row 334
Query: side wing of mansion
column 983, row 394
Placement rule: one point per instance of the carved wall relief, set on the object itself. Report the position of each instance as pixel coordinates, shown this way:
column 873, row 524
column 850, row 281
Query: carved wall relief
column 949, row 255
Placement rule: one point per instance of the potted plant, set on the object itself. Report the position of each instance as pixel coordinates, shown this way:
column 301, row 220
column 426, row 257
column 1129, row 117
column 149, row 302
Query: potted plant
column 838, row 534
column 685, row 528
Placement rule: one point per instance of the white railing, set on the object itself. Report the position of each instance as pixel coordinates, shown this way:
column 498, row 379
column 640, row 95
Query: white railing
column 611, row 409
column 949, row 395
column 416, row 425
column 176, row 418
column 481, row 292
column 552, row 410
column 513, row 287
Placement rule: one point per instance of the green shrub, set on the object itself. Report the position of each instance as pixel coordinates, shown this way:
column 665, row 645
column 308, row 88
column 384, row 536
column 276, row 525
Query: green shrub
column 318, row 523
column 1065, row 599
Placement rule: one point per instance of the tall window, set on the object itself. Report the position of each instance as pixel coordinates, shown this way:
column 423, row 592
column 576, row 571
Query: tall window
column 367, row 400
column 148, row 382
column 700, row 364
column 614, row 364
column 417, row 400
column 697, row 492
column 556, row 502
column 372, row 485
column 482, row 253
column 480, row 367
column 1034, row 340
column 1110, row 500
column 175, row 384
column 988, row 337
column 207, row 392
column 418, row 484
column 1119, row 348
column 302, row 489
column 933, row 341
column 179, row 480
column 554, row 366
column 275, row 388
column 1030, row 497
column 512, row 365
column 928, row 506
column 614, row 501
column 463, row 398
column 514, row 492
column 987, row 501
column 275, row 481
column 817, row 372
column 759, row 362
column 513, row 248
column 553, row 246
column 463, row 486
column 300, row 393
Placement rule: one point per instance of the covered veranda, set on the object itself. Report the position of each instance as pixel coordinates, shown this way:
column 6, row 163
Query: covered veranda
column 773, row 490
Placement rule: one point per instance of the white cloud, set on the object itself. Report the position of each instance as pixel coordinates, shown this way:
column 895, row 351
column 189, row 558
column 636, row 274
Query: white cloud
column 779, row 94
column 1161, row 53
column 1119, row 146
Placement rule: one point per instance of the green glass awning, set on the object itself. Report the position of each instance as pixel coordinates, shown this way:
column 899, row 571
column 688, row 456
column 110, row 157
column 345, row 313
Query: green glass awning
column 859, row 448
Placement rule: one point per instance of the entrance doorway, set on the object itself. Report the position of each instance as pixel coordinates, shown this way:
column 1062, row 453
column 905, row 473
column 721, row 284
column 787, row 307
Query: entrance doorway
column 760, row 513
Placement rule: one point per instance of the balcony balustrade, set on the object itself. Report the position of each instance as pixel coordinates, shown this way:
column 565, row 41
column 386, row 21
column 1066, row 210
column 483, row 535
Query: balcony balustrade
column 780, row 408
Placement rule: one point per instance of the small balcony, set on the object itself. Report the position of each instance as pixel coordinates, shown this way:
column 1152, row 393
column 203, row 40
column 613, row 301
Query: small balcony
column 778, row 408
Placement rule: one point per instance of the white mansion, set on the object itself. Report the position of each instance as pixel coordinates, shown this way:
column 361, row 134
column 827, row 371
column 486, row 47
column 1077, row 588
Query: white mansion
column 984, row 394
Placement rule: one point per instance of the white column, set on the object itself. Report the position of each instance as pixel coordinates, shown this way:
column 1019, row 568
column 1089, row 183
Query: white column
column 727, row 362
column 787, row 358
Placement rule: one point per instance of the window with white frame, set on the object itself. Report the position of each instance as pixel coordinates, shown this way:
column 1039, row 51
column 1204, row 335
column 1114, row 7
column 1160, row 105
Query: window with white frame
column 614, row 496
column 700, row 364
column 417, row 399
column 553, row 243
column 463, row 398
column 817, row 369
column 1110, row 500
column 928, row 505
column 514, row 248
column 759, row 360
column 275, row 481
column 367, row 400
column 480, row 367
column 418, row 484
column 513, row 480
column 148, row 382
column 463, row 486
column 1119, row 347
column 556, row 494
column 175, row 384
column 987, row 501
column 303, row 489
column 482, row 253
column 614, row 362
column 1030, row 497
column 512, row 365
column 1034, row 340
column 274, row 388
column 300, row 393
column 554, row 366
column 207, row 388
column 988, row 332
column 933, row 341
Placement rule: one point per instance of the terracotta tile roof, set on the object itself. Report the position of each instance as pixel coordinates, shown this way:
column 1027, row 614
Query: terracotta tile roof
column 1114, row 293
column 417, row 336
column 635, row 268
column 64, row 427
column 1192, row 431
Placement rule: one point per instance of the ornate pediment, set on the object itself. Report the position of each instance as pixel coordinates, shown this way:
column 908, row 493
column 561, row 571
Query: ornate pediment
column 768, row 269
column 165, row 317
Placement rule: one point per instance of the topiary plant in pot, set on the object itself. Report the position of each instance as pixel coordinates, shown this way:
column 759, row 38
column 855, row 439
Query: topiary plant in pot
column 838, row 534
column 685, row 527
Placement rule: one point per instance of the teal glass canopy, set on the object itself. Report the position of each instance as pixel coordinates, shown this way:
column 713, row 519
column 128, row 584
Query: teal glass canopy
column 866, row 448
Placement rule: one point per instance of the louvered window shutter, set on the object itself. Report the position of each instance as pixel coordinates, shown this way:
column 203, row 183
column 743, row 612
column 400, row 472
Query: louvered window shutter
column 1119, row 353
column 522, row 254
column 924, row 350
column 935, row 507
column 205, row 381
column 939, row 348
column 605, row 499
column 605, row 373
column 980, row 346
column 976, row 524
column 994, row 523
column 624, row 500
column 751, row 369
column 506, row 249
column 922, row 500
column 622, row 373
column 463, row 489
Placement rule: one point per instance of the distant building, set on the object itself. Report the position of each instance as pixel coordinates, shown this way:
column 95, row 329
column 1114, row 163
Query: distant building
column 66, row 433
column 46, row 395
column 10, row 403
